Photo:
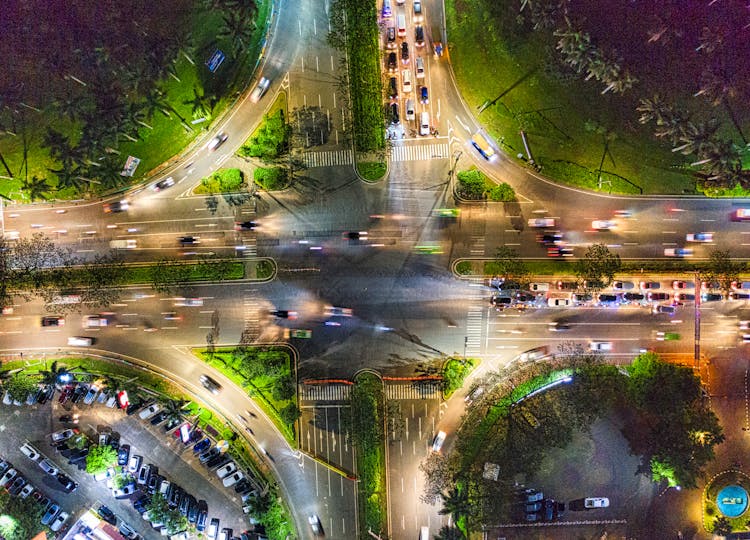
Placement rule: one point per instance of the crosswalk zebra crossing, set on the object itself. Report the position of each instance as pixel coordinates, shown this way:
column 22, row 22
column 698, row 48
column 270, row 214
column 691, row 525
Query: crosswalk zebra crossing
column 251, row 313
column 474, row 325
column 327, row 159
column 421, row 152
column 324, row 392
column 413, row 390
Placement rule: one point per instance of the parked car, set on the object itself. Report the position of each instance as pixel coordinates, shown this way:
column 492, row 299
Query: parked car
column 17, row 485
column 232, row 479
column 200, row 522
column 149, row 411
column 51, row 512
column 226, row 469
column 107, row 515
column 63, row 435
column 30, row 452
column 123, row 455
column 47, row 466
column 125, row 491
column 135, row 463
column 623, row 285
column 67, row 484
column 202, row 445
column 59, row 521
column 596, row 502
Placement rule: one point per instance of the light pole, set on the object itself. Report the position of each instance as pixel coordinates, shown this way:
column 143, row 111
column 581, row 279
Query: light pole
column 697, row 352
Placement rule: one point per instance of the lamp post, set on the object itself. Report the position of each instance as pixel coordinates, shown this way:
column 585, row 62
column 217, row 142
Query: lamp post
column 697, row 351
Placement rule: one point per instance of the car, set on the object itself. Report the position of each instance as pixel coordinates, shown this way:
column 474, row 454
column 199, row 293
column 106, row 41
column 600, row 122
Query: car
column 419, row 36
column 192, row 512
column 438, row 441
column 602, row 224
column 740, row 285
column 600, row 346
column 48, row 467
column 633, row 297
column 541, row 222
column 700, row 237
column 200, row 522
column 16, row 485
column 549, row 239
column 678, row 252
column 51, row 512
column 558, row 327
column 143, row 474
column 605, row 299
column 581, row 299
column 226, row 469
column 679, row 284
column 559, row 510
column 95, row 321
column 260, row 89
column 149, row 411
column 501, row 301
column 59, row 521
column 623, row 285
column 657, row 296
column 135, row 463
column 4, row 466
column 201, row 445
column 67, row 484
column 392, row 87
column 549, row 509
column 232, row 479
column 245, row 225
column 165, row 488
column 596, row 502
column 405, row 53
column 418, row 15
column 26, row 490
column 127, row 531
column 115, row 207
column 210, row 384
column 132, row 408
column 63, row 435
column 315, row 525
column 332, row 311
column 46, row 395
column 669, row 310
column 185, row 504
column 558, row 302
column 205, row 456
column 175, row 496
column 217, row 141
column 424, row 97
column 79, row 391
column 77, row 455
column 684, row 297
column 107, row 515
column 158, row 418
column 567, row 285
column 741, row 214
column 88, row 399
column 284, row 314
column 559, row 251
column 213, row 529
column 667, row 336
column 647, row 285
column 123, row 455
column 30, row 452
column 390, row 37
column 171, row 423
column 125, row 491
column 141, row 504
column 392, row 62
column 734, row 295
column 53, row 320
column 164, row 184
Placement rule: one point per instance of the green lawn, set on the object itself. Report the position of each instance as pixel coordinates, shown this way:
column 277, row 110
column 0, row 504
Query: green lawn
column 566, row 135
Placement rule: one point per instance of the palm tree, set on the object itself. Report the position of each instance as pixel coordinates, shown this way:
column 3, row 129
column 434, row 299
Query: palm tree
column 698, row 137
column 107, row 172
column 260, row 505
column 156, row 100
column 53, row 374
column 449, row 533
column 69, row 177
column 36, row 188
column 237, row 30
column 455, row 503
column 173, row 408
column 201, row 105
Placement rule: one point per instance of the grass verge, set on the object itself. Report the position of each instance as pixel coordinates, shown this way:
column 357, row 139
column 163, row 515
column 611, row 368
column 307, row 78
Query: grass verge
column 267, row 374
column 367, row 406
column 371, row 171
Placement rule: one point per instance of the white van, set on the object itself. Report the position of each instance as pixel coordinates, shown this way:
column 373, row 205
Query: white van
column 424, row 123
column 410, row 114
column 76, row 341
column 420, row 67
column 406, row 80
column 401, row 25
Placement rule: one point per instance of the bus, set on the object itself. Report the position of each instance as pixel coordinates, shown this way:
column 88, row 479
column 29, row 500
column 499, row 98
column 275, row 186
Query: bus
column 480, row 143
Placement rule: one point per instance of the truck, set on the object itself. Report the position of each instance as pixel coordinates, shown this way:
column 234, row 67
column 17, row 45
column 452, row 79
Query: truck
column 130, row 243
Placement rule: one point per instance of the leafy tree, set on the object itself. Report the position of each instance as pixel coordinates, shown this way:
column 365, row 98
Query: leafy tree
column 52, row 375
column 598, row 266
column 101, row 280
column 173, row 408
column 237, row 30
column 21, row 517
column 262, row 503
column 122, row 480
column 100, row 458
column 721, row 270
column 510, row 266
column 283, row 388
column 200, row 104
column 214, row 268
column 290, row 413
column 158, row 508
column 502, row 193
column 438, row 471
column 272, row 139
column 20, row 385
column 472, row 184
column 168, row 275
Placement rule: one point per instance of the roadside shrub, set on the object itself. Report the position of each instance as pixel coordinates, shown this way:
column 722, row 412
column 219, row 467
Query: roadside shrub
column 222, row 181
column 371, row 171
column 454, row 373
column 471, row 184
column 464, row 268
column 271, row 140
column 271, row 178
column 502, row 193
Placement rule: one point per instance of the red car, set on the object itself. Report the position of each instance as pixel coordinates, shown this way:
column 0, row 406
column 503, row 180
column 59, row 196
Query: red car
column 65, row 394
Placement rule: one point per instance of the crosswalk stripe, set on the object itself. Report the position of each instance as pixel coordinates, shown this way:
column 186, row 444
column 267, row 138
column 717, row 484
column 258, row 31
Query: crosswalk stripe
column 327, row 159
column 419, row 152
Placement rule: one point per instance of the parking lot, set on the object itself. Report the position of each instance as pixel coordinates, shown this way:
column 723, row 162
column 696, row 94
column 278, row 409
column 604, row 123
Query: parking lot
column 174, row 460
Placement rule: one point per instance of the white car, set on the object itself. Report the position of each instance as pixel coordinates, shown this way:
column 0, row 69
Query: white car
column 541, row 222
column 314, row 522
column 26, row 491
column 263, row 85
column 437, row 444
column 189, row 302
column 59, row 521
column 93, row 321
column 232, row 479
column 47, row 466
column 602, row 224
column 149, row 411
column 217, row 141
column 227, row 469
column 30, row 452
column 558, row 302
column 9, row 475
column 135, row 463
column 600, row 346
column 63, row 435
column 596, row 502
column 80, row 341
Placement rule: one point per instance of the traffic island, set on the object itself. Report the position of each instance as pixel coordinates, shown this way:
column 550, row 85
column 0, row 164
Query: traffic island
column 725, row 503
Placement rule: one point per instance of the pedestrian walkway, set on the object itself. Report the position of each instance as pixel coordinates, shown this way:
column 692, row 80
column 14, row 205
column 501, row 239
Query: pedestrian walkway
column 251, row 313
column 324, row 392
column 413, row 390
column 327, row 159
column 474, row 327
column 419, row 152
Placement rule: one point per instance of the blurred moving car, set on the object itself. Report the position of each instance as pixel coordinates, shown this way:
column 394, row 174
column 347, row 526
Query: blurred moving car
column 678, row 252
column 602, row 224
column 245, row 225
column 117, row 206
column 210, row 384
column 163, row 184
column 263, row 85
column 217, row 141
column 437, row 443
column 332, row 311
column 700, row 237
